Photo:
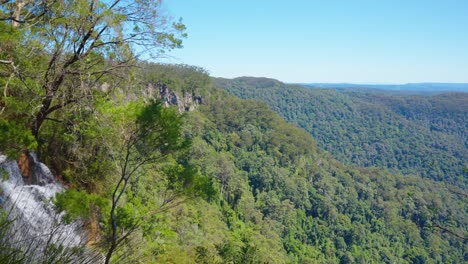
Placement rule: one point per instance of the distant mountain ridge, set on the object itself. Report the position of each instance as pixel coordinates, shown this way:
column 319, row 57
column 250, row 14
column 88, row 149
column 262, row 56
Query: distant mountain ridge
column 413, row 87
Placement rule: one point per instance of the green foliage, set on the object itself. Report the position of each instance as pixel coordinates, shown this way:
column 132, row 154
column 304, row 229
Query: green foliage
column 159, row 127
column 4, row 176
column 79, row 204
column 179, row 77
column 14, row 138
column 76, row 46
column 186, row 178
column 76, row 150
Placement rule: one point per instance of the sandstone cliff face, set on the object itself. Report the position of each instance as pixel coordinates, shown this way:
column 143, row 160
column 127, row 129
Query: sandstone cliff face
column 185, row 101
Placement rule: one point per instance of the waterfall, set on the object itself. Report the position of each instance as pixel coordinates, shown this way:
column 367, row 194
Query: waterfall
column 28, row 202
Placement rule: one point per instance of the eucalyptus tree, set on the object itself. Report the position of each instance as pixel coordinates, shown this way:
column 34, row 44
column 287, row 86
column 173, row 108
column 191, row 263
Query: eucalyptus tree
column 55, row 53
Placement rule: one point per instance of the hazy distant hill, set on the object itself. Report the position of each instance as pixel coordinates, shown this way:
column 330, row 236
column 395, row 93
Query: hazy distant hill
column 423, row 135
column 414, row 88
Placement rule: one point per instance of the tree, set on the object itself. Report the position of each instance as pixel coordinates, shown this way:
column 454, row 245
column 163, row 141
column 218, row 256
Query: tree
column 81, row 42
column 155, row 133
column 147, row 138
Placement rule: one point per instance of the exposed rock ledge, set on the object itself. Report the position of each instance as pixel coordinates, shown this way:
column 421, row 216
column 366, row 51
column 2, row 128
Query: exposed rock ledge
column 185, row 101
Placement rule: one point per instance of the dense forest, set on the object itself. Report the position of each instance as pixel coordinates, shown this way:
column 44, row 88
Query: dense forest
column 160, row 165
column 421, row 135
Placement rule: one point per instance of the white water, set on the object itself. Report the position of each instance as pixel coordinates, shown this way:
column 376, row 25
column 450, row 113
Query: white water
column 36, row 223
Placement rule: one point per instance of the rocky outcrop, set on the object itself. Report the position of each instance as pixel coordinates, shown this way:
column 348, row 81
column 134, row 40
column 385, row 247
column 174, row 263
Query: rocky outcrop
column 33, row 171
column 25, row 164
column 185, row 101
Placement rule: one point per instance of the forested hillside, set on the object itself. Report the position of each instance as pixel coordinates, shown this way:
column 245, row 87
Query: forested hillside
column 421, row 135
column 320, row 209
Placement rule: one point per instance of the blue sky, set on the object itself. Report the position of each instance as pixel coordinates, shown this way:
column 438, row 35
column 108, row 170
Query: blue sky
column 354, row 41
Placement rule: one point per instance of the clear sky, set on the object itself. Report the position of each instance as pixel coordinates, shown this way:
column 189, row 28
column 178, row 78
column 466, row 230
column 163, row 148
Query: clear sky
column 373, row 41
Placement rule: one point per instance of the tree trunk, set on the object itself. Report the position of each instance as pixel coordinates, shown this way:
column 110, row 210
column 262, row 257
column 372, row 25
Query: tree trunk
column 41, row 116
column 109, row 254
column 17, row 14
column 46, row 109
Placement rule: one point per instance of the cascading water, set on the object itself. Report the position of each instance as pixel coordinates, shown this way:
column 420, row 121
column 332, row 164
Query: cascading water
column 35, row 224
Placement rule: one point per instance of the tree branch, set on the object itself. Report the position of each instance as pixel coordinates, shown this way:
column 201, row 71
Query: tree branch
column 459, row 193
column 449, row 231
column 60, row 106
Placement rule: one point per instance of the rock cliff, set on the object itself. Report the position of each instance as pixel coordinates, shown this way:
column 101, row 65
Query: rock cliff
column 185, row 101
